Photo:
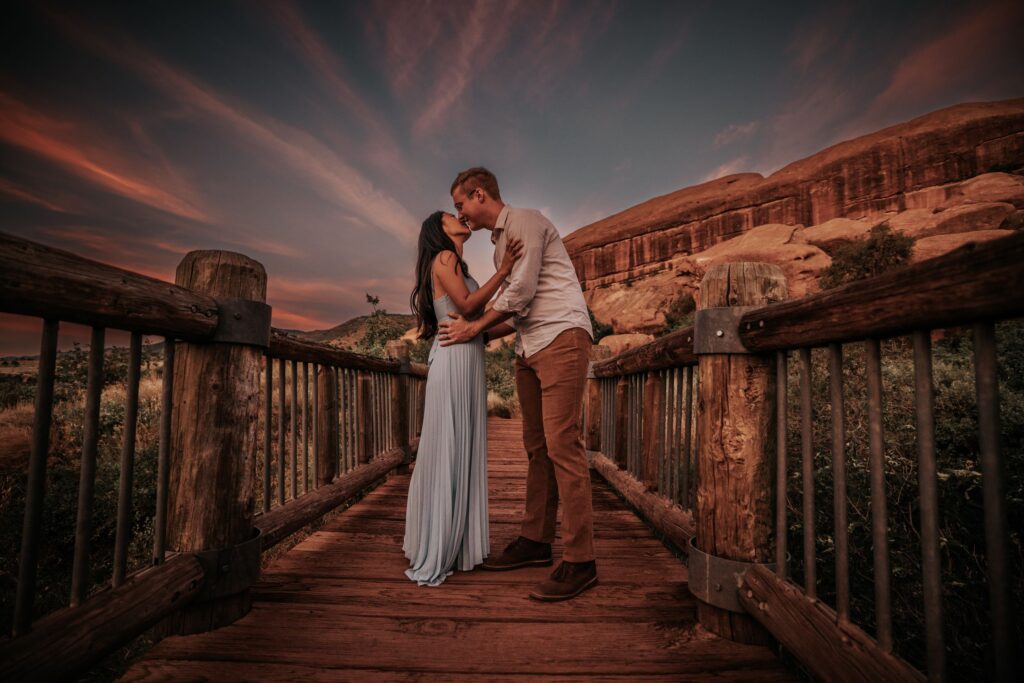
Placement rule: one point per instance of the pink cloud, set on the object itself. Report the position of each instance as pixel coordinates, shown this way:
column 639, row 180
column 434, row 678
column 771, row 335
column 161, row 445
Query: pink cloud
column 75, row 148
column 329, row 175
column 27, row 195
column 739, row 165
column 972, row 52
column 736, row 132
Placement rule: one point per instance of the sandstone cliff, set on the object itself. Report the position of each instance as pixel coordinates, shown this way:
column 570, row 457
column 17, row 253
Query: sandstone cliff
column 938, row 178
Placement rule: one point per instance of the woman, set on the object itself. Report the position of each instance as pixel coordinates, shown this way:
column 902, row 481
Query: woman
column 446, row 513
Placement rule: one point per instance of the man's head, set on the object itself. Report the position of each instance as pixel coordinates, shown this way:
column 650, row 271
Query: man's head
column 477, row 198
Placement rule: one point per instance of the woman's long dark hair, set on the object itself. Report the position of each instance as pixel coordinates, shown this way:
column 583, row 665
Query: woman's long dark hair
column 433, row 240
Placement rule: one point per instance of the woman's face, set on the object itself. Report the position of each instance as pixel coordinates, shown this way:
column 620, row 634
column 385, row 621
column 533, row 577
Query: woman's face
column 454, row 229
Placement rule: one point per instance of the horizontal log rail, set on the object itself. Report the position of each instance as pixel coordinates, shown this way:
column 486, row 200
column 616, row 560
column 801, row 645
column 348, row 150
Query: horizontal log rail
column 673, row 522
column 71, row 639
column 290, row 347
column 286, row 519
column 44, row 282
column 973, row 283
column 673, row 350
column 812, row 631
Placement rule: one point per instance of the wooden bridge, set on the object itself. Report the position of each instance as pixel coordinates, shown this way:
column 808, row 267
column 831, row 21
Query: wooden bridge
column 688, row 441
column 338, row 607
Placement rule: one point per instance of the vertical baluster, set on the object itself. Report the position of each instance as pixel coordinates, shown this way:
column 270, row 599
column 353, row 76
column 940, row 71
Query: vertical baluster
column 124, row 493
column 687, row 449
column 87, row 474
column 280, row 432
column 663, row 425
column 835, row 358
column 163, row 467
column 879, row 514
column 807, row 474
column 927, row 482
column 305, row 427
column 673, row 435
column 343, row 410
column 268, row 427
column 781, row 530
column 34, row 490
column 316, row 432
column 338, row 422
column 293, row 422
column 994, row 497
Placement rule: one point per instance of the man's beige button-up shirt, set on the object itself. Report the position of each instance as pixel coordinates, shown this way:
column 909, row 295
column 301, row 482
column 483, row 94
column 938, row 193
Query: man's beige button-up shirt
column 542, row 292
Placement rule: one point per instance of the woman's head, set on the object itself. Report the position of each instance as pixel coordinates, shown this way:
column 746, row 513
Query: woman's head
column 441, row 231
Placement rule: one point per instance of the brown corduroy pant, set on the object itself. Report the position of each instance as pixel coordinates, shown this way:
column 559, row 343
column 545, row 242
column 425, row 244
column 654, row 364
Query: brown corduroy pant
column 551, row 384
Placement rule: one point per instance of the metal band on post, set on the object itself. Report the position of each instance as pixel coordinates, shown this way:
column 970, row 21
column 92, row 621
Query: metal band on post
column 714, row 580
column 716, row 330
column 240, row 321
column 231, row 570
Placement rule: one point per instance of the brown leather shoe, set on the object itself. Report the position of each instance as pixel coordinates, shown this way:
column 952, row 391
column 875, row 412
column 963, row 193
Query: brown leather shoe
column 567, row 581
column 521, row 552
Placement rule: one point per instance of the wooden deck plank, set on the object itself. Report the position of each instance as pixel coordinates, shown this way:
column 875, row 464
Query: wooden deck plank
column 338, row 606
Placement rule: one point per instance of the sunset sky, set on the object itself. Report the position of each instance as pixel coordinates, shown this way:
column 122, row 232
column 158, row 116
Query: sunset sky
column 315, row 137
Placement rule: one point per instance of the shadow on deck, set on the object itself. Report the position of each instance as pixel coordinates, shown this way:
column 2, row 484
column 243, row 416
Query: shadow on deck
column 338, row 607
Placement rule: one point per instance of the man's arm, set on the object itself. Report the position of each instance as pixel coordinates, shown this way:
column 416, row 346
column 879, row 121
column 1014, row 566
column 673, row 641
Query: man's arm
column 516, row 297
column 458, row 330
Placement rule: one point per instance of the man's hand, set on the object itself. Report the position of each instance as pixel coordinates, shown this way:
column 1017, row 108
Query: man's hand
column 458, row 330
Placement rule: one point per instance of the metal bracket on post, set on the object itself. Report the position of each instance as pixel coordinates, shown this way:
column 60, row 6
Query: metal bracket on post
column 716, row 330
column 240, row 321
column 228, row 571
column 714, row 580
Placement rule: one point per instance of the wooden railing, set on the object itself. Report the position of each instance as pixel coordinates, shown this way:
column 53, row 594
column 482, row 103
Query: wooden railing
column 358, row 421
column 725, row 483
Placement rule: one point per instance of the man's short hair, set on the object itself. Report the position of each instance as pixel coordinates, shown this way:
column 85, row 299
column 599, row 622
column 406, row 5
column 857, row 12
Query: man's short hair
column 475, row 177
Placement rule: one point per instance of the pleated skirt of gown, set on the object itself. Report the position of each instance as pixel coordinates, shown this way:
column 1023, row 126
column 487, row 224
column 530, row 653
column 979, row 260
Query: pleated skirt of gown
column 446, row 522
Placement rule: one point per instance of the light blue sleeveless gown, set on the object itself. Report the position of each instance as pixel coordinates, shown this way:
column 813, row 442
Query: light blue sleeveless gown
column 446, row 513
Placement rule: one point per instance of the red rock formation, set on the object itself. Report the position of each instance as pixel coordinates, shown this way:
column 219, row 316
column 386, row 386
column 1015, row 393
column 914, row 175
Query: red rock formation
column 918, row 164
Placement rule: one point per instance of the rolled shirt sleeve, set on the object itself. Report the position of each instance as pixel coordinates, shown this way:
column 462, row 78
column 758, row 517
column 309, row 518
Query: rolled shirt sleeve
column 522, row 283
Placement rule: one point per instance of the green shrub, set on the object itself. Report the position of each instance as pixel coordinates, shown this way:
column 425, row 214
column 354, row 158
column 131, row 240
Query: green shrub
column 380, row 329
column 601, row 329
column 882, row 251
column 961, row 524
column 679, row 313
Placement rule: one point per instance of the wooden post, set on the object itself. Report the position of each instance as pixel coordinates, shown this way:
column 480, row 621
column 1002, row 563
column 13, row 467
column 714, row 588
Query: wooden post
column 735, row 427
column 592, row 432
column 364, row 419
column 213, row 447
column 326, row 425
column 421, row 404
column 652, row 429
column 621, row 420
column 399, row 350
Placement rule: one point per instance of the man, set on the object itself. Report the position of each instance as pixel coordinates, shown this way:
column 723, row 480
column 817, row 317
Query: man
column 543, row 303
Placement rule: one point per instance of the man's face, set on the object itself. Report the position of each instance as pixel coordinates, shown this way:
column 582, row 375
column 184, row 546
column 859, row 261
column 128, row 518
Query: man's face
column 469, row 207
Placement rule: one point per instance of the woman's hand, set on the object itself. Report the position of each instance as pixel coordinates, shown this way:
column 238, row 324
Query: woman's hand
column 513, row 251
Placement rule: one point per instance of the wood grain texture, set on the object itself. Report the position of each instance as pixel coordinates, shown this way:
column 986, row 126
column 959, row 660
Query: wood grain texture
column 213, row 428
column 735, row 411
column 974, row 282
column 811, row 631
column 673, row 522
column 51, row 283
column 339, row 607
column 670, row 351
column 68, row 641
column 327, row 425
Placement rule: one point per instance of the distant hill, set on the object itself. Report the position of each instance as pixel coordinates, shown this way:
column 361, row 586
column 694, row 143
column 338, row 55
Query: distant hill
column 348, row 333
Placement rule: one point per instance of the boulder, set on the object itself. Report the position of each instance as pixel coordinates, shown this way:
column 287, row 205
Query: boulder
column 920, row 223
column 831, row 233
column 937, row 245
column 990, row 187
column 773, row 243
column 623, row 342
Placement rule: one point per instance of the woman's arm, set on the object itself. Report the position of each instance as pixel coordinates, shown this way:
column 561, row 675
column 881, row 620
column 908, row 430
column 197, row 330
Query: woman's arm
column 446, row 269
